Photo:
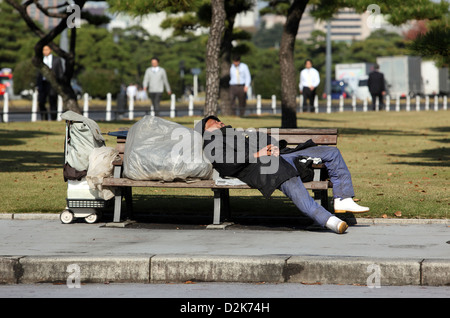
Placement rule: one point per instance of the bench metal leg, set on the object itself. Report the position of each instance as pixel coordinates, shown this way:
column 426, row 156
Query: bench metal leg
column 217, row 207
column 118, row 196
column 117, row 205
column 221, row 204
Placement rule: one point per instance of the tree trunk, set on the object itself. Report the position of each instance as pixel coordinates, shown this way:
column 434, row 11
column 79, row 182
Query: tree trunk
column 288, row 73
column 225, row 102
column 213, row 56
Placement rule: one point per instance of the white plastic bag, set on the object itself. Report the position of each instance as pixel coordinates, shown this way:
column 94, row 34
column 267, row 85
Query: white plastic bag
column 158, row 149
column 100, row 166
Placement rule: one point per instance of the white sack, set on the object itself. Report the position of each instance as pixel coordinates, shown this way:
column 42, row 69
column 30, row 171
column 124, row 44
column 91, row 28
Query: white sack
column 158, row 149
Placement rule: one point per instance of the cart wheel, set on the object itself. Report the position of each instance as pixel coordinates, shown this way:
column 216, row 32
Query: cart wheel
column 91, row 218
column 66, row 217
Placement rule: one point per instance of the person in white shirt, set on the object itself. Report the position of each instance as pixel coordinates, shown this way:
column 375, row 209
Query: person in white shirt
column 240, row 80
column 155, row 79
column 309, row 80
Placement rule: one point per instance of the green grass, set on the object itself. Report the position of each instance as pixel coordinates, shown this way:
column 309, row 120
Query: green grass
column 400, row 161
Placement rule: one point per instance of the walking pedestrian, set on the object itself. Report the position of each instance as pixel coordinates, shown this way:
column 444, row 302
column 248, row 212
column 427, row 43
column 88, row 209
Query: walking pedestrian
column 377, row 87
column 155, row 80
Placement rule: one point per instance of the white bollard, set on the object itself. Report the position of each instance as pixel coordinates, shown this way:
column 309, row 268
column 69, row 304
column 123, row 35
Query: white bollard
column 60, row 108
column 5, row 108
column 397, row 104
column 86, row 105
column 131, row 108
column 172, row 105
column 34, row 106
column 108, row 107
column 377, row 104
column 427, row 102
column 258, row 104
column 274, row 104
column 316, row 104
column 388, row 103
column 417, row 103
column 328, row 104
column 354, row 103
column 436, row 103
column 301, row 103
column 341, row 103
column 365, row 105
column 444, row 106
column 408, row 103
column 191, row 106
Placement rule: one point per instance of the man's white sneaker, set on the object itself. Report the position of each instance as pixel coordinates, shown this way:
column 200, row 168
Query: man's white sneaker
column 348, row 205
column 336, row 225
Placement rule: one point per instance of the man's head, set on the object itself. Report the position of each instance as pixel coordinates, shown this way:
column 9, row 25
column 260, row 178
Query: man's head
column 236, row 60
column 308, row 63
column 209, row 123
column 154, row 61
column 46, row 50
column 213, row 124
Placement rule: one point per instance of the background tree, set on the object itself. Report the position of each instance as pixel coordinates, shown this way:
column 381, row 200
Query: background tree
column 399, row 13
column 233, row 41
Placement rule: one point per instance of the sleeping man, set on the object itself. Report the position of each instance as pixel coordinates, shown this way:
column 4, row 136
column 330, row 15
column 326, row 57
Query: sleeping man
column 264, row 164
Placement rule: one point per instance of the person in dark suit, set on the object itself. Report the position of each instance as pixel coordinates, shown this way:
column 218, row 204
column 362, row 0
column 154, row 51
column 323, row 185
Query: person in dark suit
column 44, row 87
column 376, row 87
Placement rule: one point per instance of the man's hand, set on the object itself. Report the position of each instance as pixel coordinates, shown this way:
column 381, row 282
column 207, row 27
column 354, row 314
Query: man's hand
column 269, row 150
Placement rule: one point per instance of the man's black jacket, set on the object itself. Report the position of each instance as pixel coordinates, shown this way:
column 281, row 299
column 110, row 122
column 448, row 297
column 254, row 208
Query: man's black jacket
column 231, row 154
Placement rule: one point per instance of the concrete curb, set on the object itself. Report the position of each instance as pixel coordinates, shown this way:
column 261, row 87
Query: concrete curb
column 168, row 268
column 361, row 221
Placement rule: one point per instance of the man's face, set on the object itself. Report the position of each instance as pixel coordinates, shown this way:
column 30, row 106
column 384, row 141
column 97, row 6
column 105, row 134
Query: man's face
column 155, row 63
column 308, row 64
column 213, row 124
column 236, row 63
column 46, row 50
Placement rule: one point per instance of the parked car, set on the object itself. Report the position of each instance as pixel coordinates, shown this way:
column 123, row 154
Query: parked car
column 339, row 88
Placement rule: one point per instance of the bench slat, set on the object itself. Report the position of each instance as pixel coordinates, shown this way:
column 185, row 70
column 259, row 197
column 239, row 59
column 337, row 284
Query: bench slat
column 201, row 184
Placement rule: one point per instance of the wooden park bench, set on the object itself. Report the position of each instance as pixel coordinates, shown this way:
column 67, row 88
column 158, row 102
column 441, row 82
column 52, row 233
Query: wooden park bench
column 319, row 185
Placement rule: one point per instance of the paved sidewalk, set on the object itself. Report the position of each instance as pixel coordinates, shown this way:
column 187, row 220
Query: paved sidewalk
column 373, row 252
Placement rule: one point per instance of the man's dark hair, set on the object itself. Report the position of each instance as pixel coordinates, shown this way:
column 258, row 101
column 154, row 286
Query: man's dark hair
column 200, row 126
column 308, row 60
column 236, row 58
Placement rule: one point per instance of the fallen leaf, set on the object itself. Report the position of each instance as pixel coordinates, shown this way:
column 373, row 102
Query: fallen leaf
column 398, row 213
column 384, row 216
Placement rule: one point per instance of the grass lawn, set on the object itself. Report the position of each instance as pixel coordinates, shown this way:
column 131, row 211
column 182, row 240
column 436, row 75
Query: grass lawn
column 400, row 163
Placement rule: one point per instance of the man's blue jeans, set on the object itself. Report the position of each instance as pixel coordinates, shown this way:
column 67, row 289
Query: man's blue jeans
column 339, row 176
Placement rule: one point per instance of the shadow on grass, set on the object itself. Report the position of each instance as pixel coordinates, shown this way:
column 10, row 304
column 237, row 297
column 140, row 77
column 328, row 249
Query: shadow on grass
column 28, row 161
column 24, row 160
column 437, row 157
column 13, row 137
